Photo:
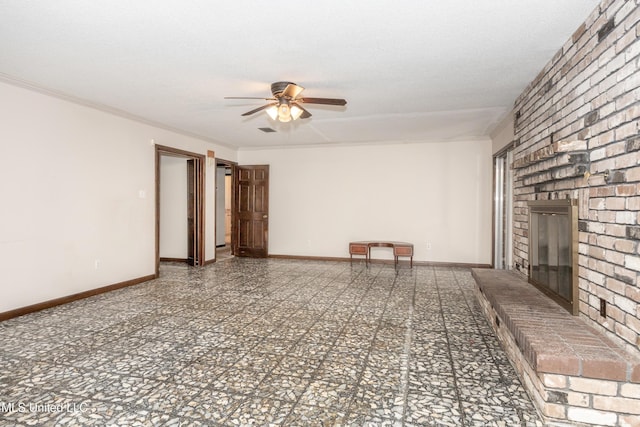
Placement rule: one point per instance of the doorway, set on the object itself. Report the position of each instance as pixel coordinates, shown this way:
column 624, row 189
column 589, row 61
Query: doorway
column 503, row 210
column 192, row 204
column 243, row 230
column 224, row 209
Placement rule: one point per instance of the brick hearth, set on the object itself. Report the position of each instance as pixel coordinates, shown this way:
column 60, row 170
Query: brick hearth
column 573, row 372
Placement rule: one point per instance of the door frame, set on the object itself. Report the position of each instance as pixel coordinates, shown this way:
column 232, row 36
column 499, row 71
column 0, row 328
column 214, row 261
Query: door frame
column 199, row 229
column 502, row 224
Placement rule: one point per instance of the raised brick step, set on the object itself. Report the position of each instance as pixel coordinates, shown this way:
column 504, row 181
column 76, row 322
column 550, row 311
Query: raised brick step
column 550, row 338
column 573, row 372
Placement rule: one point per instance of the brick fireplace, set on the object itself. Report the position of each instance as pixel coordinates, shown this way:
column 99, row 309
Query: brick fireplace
column 576, row 130
column 577, row 137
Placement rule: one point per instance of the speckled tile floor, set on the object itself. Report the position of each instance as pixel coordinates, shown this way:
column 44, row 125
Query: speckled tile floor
column 265, row 342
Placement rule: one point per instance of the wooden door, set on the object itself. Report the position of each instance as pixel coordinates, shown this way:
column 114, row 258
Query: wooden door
column 252, row 211
column 191, row 213
column 195, row 217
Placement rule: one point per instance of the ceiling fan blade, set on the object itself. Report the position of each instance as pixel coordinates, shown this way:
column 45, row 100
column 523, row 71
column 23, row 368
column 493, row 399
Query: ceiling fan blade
column 249, row 97
column 305, row 114
column 292, row 90
column 255, row 110
column 326, row 101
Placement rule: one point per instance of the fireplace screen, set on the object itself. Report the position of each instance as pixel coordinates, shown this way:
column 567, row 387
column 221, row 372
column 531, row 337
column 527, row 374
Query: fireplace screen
column 553, row 235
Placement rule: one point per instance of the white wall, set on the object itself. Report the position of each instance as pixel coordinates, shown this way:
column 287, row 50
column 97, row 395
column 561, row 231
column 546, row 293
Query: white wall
column 220, row 205
column 503, row 134
column 424, row 193
column 174, row 242
column 76, row 187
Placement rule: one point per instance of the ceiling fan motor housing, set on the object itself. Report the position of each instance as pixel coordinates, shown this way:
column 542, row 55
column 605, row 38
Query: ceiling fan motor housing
column 278, row 87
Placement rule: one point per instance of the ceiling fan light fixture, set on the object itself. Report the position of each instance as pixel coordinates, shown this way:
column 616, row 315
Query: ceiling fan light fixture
column 284, row 112
column 272, row 112
column 296, row 112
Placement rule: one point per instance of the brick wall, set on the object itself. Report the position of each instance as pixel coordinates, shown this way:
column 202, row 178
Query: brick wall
column 588, row 96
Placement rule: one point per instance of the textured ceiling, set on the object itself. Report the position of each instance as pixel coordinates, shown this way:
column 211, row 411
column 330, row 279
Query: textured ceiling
column 411, row 70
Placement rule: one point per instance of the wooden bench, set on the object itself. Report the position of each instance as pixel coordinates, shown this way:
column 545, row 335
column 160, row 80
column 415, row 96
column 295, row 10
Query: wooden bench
column 364, row 248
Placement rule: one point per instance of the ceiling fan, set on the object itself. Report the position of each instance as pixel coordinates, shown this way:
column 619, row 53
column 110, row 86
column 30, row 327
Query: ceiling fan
column 286, row 105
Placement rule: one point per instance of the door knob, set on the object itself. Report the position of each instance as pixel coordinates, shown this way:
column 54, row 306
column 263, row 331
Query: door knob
column 265, row 216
